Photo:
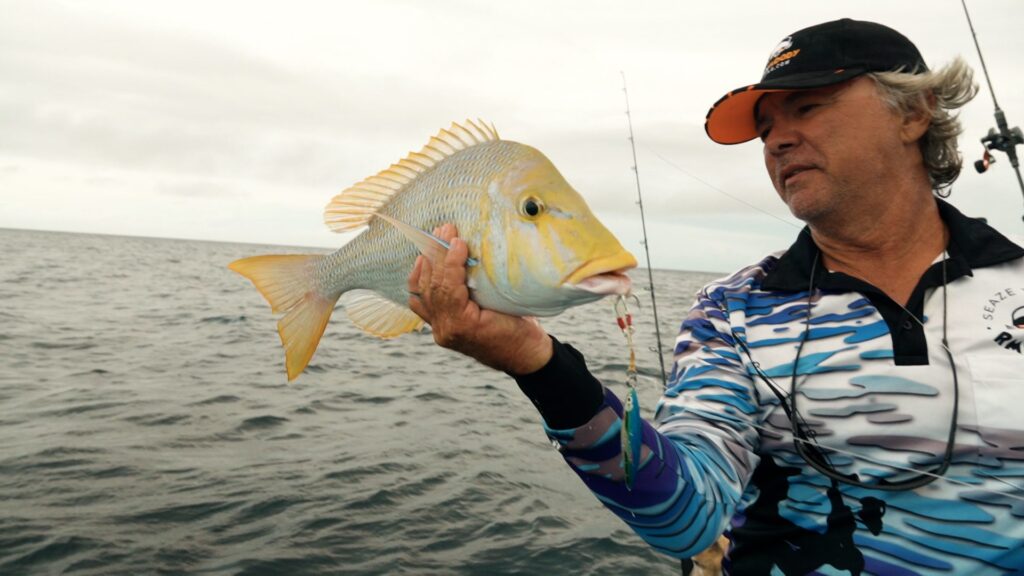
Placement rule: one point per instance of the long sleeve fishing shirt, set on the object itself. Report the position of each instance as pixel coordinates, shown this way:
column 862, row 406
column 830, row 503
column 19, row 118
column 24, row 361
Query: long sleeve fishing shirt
column 874, row 386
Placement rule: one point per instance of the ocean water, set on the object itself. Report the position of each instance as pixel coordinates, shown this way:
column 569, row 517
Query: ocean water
column 147, row 427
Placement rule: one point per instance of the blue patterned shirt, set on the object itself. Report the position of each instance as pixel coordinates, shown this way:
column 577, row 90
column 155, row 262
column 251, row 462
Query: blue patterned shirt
column 874, row 386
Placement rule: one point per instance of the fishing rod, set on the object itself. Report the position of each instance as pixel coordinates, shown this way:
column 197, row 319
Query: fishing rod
column 643, row 225
column 1005, row 139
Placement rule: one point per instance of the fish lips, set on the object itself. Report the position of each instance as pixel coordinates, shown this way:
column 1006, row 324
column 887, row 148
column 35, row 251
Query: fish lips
column 603, row 276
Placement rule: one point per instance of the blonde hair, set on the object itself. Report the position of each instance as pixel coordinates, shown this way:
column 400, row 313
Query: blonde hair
column 952, row 86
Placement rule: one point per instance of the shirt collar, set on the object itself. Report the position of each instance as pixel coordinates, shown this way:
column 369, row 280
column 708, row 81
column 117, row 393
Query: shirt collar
column 972, row 244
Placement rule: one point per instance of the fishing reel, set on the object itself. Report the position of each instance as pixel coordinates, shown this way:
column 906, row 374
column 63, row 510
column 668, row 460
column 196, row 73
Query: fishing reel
column 986, row 160
column 1005, row 140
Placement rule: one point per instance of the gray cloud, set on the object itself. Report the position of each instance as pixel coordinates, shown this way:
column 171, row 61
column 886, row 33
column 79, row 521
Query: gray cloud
column 198, row 189
column 272, row 109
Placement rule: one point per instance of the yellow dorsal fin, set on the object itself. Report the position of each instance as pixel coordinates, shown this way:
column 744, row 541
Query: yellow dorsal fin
column 379, row 316
column 355, row 206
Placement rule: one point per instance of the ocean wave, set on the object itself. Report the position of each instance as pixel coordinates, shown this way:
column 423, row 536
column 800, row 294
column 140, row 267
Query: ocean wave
column 148, row 427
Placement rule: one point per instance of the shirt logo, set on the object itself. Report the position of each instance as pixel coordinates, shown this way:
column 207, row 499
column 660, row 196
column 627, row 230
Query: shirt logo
column 1004, row 313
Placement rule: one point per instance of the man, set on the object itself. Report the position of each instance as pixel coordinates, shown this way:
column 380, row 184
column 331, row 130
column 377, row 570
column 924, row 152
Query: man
column 843, row 406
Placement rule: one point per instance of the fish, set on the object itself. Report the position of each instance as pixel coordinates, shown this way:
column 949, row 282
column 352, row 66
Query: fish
column 535, row 248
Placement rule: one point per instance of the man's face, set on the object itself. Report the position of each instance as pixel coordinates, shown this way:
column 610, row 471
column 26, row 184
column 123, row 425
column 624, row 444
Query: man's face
column 831, row 151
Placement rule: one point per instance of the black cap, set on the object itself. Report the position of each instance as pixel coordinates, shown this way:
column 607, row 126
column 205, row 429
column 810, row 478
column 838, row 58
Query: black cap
column 814, row 57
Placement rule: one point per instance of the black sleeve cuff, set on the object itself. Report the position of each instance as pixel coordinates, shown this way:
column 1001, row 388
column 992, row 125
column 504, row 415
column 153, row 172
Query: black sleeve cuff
column 565, row 393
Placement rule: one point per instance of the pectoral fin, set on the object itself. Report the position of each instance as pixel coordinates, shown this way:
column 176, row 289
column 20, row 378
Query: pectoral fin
column 429, row 245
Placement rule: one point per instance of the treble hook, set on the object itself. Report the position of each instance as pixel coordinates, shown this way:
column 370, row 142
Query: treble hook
column 622, row 308
column 631, row 432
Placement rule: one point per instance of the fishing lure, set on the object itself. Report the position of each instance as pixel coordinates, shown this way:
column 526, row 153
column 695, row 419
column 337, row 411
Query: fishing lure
column 631, row 432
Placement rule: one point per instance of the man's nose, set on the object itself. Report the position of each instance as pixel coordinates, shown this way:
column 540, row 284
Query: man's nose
column 781, row 137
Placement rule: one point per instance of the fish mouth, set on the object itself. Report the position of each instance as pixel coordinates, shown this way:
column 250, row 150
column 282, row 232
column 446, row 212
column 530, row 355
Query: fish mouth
column 603, row 275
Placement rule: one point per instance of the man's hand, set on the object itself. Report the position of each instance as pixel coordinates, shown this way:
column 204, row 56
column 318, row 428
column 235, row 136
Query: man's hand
column 438, row 294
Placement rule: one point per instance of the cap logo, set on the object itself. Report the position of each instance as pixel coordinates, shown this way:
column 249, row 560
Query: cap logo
column 781, row 55
column 786, row 44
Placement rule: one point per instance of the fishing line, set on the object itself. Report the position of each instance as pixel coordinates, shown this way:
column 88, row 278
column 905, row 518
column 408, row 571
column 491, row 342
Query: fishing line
column 856, row 456
column 717, row 189
column 785, row 399
column 772, row 432
column 631, row 432
column 820, row 462
column 902, row 468
column 802, row 431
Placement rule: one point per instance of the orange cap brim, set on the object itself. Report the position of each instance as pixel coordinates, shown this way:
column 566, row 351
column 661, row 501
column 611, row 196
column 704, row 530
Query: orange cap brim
column 731, row 119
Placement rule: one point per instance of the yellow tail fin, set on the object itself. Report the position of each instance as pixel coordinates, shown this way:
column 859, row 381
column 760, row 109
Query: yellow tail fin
column 287, row 282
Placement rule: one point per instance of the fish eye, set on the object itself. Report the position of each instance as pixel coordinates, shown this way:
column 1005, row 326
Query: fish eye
column 532, row 207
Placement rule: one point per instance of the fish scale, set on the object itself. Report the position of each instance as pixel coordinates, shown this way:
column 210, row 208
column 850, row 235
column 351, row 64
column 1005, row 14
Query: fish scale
column 380, row 259
column 536, row 247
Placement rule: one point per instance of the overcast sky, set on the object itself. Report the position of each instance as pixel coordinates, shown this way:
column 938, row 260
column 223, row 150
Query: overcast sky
column 238, row 121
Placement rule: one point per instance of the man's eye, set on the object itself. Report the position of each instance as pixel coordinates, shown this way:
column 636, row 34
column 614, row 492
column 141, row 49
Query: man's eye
column 805, row 108
column 764, row 134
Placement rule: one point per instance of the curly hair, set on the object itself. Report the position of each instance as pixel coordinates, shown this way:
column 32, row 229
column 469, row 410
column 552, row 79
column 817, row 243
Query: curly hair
column 952, row 86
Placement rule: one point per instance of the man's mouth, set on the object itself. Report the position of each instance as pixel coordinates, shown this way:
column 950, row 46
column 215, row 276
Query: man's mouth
column 792, row 171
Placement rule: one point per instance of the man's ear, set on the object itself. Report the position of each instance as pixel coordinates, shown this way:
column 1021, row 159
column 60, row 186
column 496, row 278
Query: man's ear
column 917, row 121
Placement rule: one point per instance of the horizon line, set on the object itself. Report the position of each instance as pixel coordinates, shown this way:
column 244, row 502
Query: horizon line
column 242, row 242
